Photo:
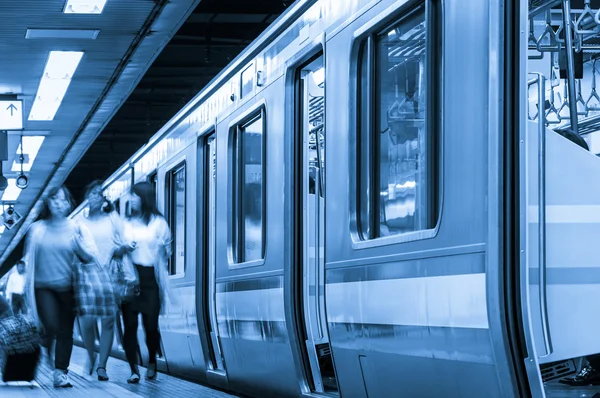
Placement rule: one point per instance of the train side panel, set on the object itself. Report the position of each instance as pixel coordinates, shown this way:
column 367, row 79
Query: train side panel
column 414, row 313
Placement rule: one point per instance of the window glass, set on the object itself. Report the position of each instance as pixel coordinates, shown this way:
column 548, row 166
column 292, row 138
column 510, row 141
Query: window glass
column 248, row 185
column 177, row 220
column 247, row 81
column 394, row 162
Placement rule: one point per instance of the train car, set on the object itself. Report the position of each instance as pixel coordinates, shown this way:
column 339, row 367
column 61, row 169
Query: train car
column 358, row 209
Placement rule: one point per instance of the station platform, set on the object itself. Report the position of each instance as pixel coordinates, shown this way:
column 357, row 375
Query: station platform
column 90, row 387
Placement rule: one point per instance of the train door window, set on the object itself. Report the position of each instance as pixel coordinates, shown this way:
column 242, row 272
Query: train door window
column 176, row 217
column 396, row 157
column 248, row 189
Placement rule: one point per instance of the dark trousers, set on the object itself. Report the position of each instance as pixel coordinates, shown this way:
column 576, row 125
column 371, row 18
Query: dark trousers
column 58, row 318
column 146, row 303
column 18, row 304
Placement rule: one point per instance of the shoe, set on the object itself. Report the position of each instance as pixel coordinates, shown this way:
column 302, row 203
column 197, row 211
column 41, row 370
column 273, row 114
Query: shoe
column 151, row 371
column 134, row 378
column 61, row 380
column 102, row 376
column 587, row 376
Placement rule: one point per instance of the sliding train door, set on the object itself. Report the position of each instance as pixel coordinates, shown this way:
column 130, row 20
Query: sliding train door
column 560, row 194
column 208, row 262
column 310, row 222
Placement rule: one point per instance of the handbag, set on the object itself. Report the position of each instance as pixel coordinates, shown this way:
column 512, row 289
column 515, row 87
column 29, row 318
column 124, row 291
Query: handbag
column 124, row 279
column 19, row 335
column 123, row 274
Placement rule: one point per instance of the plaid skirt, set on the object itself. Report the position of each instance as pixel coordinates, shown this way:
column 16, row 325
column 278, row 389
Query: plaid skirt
column 94, row 293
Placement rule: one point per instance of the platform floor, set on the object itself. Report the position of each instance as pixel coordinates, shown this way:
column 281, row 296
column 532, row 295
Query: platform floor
column 90, row 387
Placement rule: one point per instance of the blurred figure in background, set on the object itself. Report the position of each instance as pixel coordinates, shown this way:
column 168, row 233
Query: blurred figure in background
column 15, row 289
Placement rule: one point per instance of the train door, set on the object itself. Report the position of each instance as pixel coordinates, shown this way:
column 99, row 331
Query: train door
column 310, row 221
column 210, row 265
column 560, row 197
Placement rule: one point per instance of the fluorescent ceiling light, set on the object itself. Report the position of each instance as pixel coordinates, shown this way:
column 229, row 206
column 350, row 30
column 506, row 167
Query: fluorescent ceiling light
column 84, row 6
column 2, row 228
column 62, row 34
column 31, row 147
column 59, row 70
column 11, row 193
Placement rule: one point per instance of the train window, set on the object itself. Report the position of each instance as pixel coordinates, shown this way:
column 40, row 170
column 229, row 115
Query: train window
column 248, row 190
column 395, row 145
column 247, row 81
column 176, row 217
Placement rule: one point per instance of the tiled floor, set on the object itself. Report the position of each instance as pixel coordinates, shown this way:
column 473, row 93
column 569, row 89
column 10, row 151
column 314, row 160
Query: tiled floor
column 90, row 387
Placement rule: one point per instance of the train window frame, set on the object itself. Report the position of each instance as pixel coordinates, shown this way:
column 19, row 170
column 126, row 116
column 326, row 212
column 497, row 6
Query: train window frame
column 365, row 41
column 169, row 192
column 235, row 188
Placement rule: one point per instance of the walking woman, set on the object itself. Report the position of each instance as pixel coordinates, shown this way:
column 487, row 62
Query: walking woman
column 104, row 225
column 149, row 238
column 54, row 245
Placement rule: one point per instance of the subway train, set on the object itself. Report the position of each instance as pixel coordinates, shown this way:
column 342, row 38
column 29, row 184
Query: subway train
column 360, row 207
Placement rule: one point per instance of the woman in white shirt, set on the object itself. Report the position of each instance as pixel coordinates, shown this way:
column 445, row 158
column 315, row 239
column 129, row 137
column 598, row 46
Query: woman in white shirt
column 149, row 237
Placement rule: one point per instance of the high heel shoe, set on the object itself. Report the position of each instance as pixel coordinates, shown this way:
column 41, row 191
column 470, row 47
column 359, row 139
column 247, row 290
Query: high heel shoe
column 102, row 375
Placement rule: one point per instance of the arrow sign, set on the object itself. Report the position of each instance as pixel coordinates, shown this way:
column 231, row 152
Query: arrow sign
column 11, row 108
column 11, row 115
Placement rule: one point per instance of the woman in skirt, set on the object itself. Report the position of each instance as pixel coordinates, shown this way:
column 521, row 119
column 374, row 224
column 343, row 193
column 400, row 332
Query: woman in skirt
column 104, row 226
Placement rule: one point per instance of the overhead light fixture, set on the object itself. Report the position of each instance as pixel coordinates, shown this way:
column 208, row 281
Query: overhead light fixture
column 2, row 229
column 12, row 192
column 84, row 6
column 91, row 34
column 59, row 70
column 31, row 147
column 22, row 181
column 11, row 217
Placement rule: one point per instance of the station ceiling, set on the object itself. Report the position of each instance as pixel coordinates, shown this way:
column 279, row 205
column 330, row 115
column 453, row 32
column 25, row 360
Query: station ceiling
column 213, row 35
column 142, row 61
